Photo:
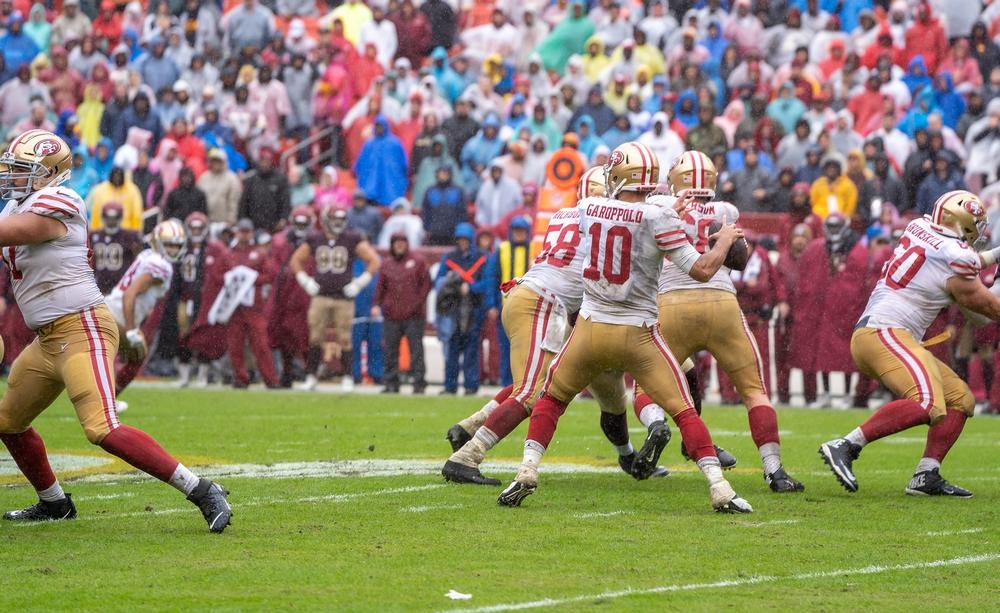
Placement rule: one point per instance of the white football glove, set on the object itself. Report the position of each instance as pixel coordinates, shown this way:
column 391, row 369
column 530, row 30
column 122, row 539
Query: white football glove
column 308, row 283
column 136, row 349
column 354, row 288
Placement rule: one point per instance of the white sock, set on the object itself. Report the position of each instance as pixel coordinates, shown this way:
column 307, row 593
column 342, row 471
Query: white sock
column 651, row 413
column 52, row 493
column 473, row 422
column 770, row 456
column 533, row 452
column 857, row 437
column 712, row 470
column 927, row 464
column 625, row 449
column 487, row 437
column 184, row 480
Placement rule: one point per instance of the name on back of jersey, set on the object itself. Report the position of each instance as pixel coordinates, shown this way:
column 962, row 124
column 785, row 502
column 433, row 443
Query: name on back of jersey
column 623, row 214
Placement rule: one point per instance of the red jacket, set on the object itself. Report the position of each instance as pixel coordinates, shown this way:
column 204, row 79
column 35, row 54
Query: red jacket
column 254, row 257
column 928, row 40
column 402, row 288
column 755, row 287
column 210, row 340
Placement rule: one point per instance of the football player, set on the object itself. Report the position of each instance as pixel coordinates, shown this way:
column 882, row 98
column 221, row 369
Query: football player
column 617, row 330
column 536, row 316
column 695, row 316
column 43, row 237
column 287, row 327
column 114, row 248
column 933, row 266
column 333, row 289
column 135, row 296
column 190, row 279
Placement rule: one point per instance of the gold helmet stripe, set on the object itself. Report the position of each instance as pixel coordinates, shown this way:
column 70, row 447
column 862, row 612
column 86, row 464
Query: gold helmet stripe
column 25, row 137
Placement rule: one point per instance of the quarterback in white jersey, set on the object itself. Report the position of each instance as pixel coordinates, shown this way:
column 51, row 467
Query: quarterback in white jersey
column 933, row 265
column 135, row 296
column 43, row 238
column 535, row 316
column 706, row 316
column 617, row 331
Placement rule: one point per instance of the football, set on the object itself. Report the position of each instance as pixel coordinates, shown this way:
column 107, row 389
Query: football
column 738, row 254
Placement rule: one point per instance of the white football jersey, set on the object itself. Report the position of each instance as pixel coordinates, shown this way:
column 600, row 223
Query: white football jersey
column 151, row 263
column 697, row 221
column 54, row 278
column 625, row 244
column 558, row 268
column 912, row 290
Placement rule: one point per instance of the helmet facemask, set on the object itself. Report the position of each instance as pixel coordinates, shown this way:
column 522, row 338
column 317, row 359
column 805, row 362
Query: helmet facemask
column 20, row 178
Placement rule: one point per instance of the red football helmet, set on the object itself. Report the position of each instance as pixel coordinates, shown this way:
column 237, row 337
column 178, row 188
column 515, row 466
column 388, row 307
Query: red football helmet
column 197, row 226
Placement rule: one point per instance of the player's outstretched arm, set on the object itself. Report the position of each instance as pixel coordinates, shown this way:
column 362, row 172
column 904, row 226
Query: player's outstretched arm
column 712, row 260
column 298, row 263
column 971, row 294
column 30, row 230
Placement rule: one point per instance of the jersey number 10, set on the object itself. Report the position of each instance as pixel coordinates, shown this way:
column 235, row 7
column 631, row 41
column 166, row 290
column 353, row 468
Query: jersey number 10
column 616, row 242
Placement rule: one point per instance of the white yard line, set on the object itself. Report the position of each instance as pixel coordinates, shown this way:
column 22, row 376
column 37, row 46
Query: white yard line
column 685, row 587
column 600, row 514
column 254, row 502
column 954, row 532
column 764, row 524
column 104, row 497
column 431, row 507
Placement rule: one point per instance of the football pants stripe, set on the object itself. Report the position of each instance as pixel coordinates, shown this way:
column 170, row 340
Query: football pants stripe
column 664, row 349
column 912, row 364
column 99, row 364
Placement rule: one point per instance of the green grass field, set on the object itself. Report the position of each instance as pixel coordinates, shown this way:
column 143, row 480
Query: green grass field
column 326, row 520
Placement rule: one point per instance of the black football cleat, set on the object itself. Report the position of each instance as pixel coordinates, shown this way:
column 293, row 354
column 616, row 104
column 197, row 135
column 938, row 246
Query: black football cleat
column 646, row 458
column 931, row 483
column 839, row 454
column 626, row 461
column 780, row 482
column 458, row 437
column 460, row 473
column 514, row 493
column 211, row 499
column 726, row 459
column 44, row 511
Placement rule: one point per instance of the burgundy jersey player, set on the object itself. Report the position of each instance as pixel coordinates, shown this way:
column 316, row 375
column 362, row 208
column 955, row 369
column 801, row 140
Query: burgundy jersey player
column 114, row 248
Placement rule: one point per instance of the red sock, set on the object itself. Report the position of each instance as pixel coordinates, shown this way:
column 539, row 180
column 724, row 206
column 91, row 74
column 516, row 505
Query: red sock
column 506, row 417
column 894, row 417
column 695, row 433
column 503, row 394
column 140, row 450
column 544, row 418
column 28, row 452
column 942, row 435
column 641, row 402
column 763, row 425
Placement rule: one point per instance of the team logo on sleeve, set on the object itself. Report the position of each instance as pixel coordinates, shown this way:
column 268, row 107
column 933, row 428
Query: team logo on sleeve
column 47, row 147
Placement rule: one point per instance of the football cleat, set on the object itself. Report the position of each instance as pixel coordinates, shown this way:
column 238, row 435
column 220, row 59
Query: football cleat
column 460, row 473
column 523, row 485
column 211, row 499
column 931, row 483
column 839, row 454
column 44, row 511
column 726, row 500
column 309, row 384
column 646, row 458
column 458, row 437
column 726, row 459
column 779, row 481
column 626, row 461
column 347, row 384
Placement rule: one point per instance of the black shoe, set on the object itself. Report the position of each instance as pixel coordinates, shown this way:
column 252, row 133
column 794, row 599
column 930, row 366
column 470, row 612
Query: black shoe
column 779, row 481
column 460, row 473
column 839, row 454
column 44, row 511
column 211, row 499
column 514, row 494
column 931, row 483
column 457, row 436
column 389, row 389
column 626, row 461
column 726, row 459
column 419, row 390
column 646, row 458
column 448, row 392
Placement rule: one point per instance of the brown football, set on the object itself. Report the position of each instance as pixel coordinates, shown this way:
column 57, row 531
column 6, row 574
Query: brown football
column 739, row 252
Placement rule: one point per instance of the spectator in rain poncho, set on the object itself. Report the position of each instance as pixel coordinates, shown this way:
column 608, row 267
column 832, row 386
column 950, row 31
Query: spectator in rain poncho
column 620, row 133
column 916, row 77
column 83, row 178
column 498, row 195
column 664, row 142
column 567, row 37
column 916, row 118
column 536, row 160
column 402, row 221
column 103, row 159
column 950, row 104
column 381, row 167
column 426, row 174
column 786, row 109
column 589, row 141
column 479, row 151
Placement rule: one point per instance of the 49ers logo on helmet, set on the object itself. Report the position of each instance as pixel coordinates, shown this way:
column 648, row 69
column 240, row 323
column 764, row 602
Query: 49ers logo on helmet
column 974, row 208
column 616, row 158
column 47, row 147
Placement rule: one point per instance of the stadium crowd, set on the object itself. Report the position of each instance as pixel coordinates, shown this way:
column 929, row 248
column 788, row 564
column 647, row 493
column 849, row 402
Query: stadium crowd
column 448, row 132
